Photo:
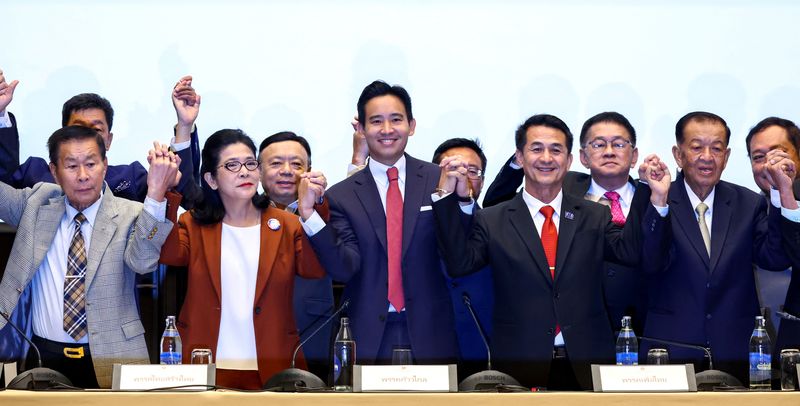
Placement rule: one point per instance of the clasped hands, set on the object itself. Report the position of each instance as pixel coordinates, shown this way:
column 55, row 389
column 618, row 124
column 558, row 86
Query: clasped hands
column 310, row 191
column 163, row 174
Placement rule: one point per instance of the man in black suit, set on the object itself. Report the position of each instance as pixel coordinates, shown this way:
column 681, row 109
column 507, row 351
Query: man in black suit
column 546, row 251
column 777, row 289
column 608, row 150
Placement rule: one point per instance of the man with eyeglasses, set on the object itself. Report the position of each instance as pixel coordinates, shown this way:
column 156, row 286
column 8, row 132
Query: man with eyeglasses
column 478, row 286
column 608, row 151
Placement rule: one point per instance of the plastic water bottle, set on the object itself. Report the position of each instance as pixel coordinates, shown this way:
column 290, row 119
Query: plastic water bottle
column 344, row 356
column 627, row 344
column 171, row 343
column 760, row 357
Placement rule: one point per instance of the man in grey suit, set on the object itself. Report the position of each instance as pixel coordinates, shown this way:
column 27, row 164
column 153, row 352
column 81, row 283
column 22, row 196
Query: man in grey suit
column 76, row 254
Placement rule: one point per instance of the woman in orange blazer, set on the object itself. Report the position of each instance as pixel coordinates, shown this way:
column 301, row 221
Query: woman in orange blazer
column 242, row 257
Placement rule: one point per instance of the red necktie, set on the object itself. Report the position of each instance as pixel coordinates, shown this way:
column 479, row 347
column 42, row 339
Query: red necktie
column 617, row 216
column 550, row 242
column 394, row 240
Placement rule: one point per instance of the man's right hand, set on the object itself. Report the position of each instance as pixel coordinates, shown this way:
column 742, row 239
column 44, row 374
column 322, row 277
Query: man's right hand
column 454, row 176
column 6, row 92
column 656, row 174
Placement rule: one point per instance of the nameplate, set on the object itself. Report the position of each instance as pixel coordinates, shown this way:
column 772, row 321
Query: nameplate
column 643, row 378
column 143, row 377
column 9, row 372
column 405, row 378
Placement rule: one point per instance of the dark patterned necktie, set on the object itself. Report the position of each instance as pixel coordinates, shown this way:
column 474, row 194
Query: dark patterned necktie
column 75, row 283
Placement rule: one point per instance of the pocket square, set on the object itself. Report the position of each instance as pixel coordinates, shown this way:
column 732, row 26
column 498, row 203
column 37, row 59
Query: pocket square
column 426, row 208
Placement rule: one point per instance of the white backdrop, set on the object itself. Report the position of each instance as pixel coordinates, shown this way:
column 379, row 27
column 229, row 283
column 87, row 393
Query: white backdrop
column 473, row 68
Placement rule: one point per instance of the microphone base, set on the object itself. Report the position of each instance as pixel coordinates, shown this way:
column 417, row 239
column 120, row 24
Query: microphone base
column 39, row 379
column 712, row 379
column 486, row 381
column 292, row 379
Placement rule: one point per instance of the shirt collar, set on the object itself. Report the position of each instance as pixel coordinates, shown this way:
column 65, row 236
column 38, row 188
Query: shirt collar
column 534, row 204
column 90, row 212
column 694, row 200
column 378, row 171
column 625, row 192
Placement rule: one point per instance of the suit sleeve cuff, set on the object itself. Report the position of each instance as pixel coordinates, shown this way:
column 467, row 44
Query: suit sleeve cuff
column 5, row 119
column 313, row 225
column 662, row 211
column 156, row 209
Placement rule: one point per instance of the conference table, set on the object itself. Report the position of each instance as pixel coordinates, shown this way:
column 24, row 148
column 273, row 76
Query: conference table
column 107, row 398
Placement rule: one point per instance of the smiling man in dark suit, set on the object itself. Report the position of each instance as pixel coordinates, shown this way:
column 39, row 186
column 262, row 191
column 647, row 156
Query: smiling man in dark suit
column 546, row 251
column 380, row 240
column 702, row 289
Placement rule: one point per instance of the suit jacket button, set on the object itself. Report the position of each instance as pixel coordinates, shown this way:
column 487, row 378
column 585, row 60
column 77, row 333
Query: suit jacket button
column 708, row 316
column 258, row 310
column 19, row 290
column 382, row 317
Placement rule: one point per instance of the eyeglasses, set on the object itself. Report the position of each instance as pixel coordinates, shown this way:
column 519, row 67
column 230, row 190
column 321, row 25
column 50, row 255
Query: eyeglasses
column 474, row 173
column 236, row 166
column 600, row 144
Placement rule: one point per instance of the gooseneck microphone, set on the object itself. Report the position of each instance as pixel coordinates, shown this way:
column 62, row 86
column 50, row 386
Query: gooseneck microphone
column 293, row 379
column 489, row 379
column 38, row 378
column 709, row 379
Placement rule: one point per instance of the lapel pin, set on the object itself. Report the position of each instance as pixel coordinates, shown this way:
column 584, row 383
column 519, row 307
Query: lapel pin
column 274, row 224
column 569, row 215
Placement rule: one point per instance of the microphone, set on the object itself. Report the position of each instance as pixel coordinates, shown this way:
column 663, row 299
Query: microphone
column 291, row 379
column 38, row 378
column 706, row 380
column 488, row 379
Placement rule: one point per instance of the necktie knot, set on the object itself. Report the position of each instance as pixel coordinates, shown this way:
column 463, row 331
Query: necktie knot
column 547, row 211
column 392, row 173
column 701, row 209
column 612, row 196
column 79, row 219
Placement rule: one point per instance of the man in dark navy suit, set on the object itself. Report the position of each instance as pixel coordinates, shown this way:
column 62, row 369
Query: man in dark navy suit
column 477, row 286
column 546, row 251
column 93, row 111
column 380, row 240
column 702, row 289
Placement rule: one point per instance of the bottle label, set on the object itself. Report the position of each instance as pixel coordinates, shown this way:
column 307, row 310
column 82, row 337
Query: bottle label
column 171, row 358
column 760, row 361
column 627, row 358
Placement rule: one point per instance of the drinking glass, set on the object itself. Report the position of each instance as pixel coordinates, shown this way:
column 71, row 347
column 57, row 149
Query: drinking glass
column 401, row 356
column 201, row 356
column 657, row 356
column 789, row 359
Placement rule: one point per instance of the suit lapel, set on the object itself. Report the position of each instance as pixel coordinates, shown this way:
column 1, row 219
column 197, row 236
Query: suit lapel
column 412, row 200
column 211, row 241
column 567, row 224
column 48, row 220
column 366, row 192
column 685, row 217
column 721, row 216
column 268, row 251
column 103, row 231
column 521, row 221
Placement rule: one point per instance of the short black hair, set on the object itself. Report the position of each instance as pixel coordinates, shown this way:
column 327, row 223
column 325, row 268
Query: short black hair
column 474, row 145
column 285, row 136
column 73, row 133
column 544, row 120
column 792, row 131
column 210, row 209
column 86, row 101
column 607, row 117
column 700, row 117
column 380, row 88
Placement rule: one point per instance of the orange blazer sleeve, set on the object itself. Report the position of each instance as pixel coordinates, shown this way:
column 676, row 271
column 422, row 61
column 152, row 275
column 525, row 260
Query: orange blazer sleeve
column 175, row 250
